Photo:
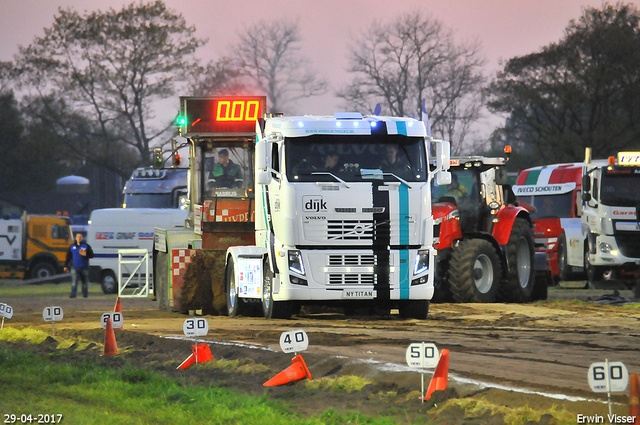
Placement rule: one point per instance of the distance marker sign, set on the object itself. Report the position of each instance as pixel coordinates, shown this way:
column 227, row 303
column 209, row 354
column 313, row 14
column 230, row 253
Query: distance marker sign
column 116, row 320
column 6, row 311
column 422, row 354
column 52, row 314
column 615, row 373
column 196, row 327
column 294, row 341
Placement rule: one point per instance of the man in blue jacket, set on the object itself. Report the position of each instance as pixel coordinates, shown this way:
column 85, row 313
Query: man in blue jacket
column 78, row 260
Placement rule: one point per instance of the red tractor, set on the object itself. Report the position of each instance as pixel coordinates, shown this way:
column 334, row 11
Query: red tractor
column 484, row 239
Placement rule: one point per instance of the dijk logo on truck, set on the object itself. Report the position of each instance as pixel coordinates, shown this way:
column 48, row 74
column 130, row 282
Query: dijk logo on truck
column 314, row 204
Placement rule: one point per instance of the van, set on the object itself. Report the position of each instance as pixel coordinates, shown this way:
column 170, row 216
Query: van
column 112, row 229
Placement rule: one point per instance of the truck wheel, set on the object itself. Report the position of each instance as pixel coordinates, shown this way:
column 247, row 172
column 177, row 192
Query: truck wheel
column 594, row 273
column 108, row 282
column 414, row 309
column 474, row 272
column 42, row 269
column 541, row 287
column 520, row 278
column 564, row 270
column 231, row 290
column 270, row 308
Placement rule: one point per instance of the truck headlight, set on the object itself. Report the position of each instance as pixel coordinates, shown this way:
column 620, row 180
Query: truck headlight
column 422, row 262
column 606, row 248
column 295, row 262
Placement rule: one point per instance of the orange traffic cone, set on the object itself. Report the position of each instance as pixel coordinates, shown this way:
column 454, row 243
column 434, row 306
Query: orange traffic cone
column 634, row 397
column 298, row 370
column 118, row 307
column 110, row 346
column 204, row 355
column 441, row 377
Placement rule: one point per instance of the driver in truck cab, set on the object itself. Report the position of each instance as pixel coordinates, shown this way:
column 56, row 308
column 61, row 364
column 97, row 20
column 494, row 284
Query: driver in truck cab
column 226, row 173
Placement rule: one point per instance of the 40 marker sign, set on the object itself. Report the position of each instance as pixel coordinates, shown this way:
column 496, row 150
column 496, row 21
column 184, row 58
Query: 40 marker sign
column 294, row 341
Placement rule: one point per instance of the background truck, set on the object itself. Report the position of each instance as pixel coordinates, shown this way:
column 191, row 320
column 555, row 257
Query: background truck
column 553, row 194
column 333, row 220
column 484, row 239
column 611, row 199
column 152, row 197
column 112, row 229
column 33, row 246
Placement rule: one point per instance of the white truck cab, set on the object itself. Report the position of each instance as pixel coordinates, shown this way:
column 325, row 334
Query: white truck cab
column 611, row 199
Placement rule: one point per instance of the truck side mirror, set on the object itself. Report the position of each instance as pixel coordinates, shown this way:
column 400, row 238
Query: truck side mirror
column 443, row 178
column 263, row 176
column 586, row 184
column 502, row 177
column 261, row 153
column 586, row 196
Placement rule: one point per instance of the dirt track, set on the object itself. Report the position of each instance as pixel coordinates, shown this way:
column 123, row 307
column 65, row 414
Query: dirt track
column 545, row 346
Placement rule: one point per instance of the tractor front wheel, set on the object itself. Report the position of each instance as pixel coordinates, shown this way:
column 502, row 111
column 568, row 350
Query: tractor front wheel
column 474, row 272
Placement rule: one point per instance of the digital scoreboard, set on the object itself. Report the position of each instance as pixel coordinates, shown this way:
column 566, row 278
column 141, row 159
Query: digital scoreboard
column 222, row 115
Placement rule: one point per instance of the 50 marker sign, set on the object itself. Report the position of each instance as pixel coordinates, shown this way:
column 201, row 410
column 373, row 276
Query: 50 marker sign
column 423, row 355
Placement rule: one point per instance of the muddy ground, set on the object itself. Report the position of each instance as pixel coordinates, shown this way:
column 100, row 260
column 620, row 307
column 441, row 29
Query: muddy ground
column 509, row 354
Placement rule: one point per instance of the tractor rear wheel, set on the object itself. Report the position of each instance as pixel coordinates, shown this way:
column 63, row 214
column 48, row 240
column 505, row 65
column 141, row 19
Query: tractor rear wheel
column 474, row 272
column 520, row 250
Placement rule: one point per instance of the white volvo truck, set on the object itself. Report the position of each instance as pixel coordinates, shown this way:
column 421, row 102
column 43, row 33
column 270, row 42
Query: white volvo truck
column 342, row 216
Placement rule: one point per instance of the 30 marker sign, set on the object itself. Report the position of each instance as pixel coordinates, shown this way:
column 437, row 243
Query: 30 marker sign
column 613, row 373
column 52, row 314
column 196, row 327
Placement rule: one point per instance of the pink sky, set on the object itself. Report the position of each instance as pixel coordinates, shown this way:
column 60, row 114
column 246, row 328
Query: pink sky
column 505, row 28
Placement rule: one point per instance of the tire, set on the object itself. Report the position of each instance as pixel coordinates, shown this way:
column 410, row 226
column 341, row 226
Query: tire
column 273, row 309
column 564, row 270
column 231, row 293
column 414, row 309
column 541, row 287
column 42, row 269
column 521, row 275
column 474, row 272
column 109, row 282
column 594, row 273
column 441, row 287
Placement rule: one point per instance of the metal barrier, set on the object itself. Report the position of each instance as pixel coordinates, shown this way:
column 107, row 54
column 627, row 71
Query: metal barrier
column 136, row 284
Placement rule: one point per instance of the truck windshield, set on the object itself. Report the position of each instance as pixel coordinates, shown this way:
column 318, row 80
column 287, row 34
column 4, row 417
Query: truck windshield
column 620, row 189
column 225, row 168
column 149, row 200
column 355, row 158
column 549, row 206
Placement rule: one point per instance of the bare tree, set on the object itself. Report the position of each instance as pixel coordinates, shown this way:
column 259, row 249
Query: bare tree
column 268, row 54
column 93, row 78
column 217, row 78
column 413, row 57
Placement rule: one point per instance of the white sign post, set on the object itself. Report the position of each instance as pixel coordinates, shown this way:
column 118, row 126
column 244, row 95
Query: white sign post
column 53, row 314
column 116, row 320
column 422, row 355
column 5, row 311
column 608, row 377
column 294, row 341
column 196, row 327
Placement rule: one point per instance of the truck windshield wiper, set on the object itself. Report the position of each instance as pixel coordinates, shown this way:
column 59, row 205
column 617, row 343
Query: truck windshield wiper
column 326, row 173
column 378, row 174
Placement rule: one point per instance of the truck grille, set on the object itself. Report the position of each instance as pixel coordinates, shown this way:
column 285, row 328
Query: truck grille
column 351, row 279
column 629, row 243
column 352, row 230
column 352, row 260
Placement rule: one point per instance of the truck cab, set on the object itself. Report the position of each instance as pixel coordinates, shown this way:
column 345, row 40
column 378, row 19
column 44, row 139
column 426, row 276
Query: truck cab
column 611, row 199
